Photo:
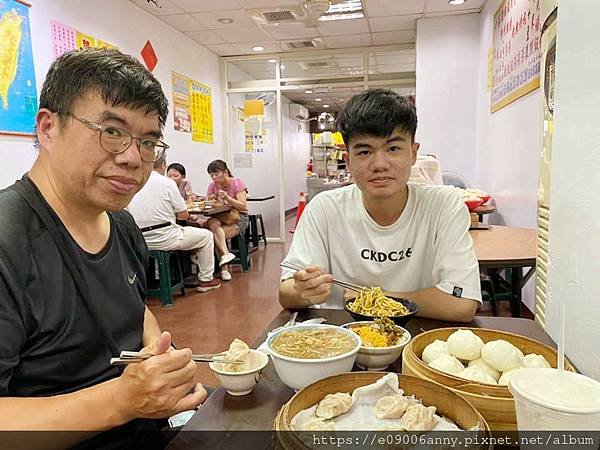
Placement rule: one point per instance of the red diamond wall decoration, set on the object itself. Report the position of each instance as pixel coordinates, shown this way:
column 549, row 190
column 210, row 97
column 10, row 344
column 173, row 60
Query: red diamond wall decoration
column 149, row 56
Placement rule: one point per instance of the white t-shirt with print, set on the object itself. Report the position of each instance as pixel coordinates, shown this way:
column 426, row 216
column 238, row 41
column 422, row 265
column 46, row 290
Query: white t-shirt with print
column 429, row 245
column 158, row 202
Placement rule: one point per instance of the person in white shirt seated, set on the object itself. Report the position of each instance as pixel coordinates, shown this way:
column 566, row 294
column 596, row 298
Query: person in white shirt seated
column 156, row 208
column 411, row 240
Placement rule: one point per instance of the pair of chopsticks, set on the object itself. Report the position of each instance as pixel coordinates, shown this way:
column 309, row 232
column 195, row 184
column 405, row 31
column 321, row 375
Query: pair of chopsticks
column 344, row 284
column 127, row 357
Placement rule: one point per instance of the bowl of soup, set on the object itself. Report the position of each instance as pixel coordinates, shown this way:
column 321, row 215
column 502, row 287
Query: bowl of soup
column 303, row 354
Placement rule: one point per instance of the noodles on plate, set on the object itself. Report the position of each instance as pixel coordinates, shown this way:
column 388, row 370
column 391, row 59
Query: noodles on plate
column 372, row 302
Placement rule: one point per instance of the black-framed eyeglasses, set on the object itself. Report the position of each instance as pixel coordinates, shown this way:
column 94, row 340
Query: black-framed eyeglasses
column 116, row 140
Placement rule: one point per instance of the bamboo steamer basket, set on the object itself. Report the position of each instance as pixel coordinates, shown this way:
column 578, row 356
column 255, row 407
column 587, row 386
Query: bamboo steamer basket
column 448, row 403
column 495, row 403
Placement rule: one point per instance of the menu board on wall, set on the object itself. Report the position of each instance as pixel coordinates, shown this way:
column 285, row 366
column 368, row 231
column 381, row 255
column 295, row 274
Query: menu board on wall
column 181, row 103
column 65, row 38
column 516, row 51
column 201, row 111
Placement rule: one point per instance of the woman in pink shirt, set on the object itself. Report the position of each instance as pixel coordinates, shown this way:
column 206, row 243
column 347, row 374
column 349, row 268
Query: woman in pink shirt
column 233, row 192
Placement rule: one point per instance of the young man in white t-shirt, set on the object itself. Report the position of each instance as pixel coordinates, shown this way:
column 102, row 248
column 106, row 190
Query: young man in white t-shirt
column 411, row 240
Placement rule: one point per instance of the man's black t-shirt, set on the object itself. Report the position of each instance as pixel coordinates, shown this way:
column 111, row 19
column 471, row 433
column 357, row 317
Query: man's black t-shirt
column 49, row 342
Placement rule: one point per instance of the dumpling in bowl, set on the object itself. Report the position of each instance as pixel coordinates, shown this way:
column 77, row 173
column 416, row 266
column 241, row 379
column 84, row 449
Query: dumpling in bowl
column 447, row 363
column 333, row 405
column 391, row 406
column 535, row 361
column 238, row 351
column 465, row 345
column 501, row 355
column 474, row 373
column 418, row 418
column 433, row 350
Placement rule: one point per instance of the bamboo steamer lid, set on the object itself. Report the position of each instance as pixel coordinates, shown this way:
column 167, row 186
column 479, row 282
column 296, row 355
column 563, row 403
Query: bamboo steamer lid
column 495, row 403
column 448, row 403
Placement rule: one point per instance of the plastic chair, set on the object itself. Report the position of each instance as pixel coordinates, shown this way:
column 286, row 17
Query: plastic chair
column 257, row 235
column 455, row 179
column 170, row 277
column 239, row 247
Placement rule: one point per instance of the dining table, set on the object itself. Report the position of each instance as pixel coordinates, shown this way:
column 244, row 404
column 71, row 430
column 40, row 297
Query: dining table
column 209, row 211
column 501, row 247
column 229, row 422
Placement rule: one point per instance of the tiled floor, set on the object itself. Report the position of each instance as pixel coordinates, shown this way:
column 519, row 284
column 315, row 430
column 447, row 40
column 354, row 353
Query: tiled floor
column 241, row 308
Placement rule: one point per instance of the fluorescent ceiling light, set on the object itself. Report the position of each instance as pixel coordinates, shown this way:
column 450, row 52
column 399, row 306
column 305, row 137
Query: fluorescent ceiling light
column 272, row 60
column 456, row 2
column 282, row 66
column 349, row 16
column 325, row 106
column 258, row 48
column 318, row 99
column 308, row 91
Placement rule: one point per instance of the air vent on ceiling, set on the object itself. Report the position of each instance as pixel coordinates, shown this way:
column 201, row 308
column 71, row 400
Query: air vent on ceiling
column 304, row 44
column 317, row 64
column 278, row 16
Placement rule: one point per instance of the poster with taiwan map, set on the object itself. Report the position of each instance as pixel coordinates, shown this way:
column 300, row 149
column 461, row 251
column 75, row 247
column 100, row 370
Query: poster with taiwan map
column 18, row 96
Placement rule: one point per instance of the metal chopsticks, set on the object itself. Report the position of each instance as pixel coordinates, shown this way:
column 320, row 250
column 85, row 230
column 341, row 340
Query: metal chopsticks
column 344, row 284
column 127, row 357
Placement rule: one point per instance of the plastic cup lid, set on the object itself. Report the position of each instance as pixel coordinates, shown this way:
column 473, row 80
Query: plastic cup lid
column 573, row 393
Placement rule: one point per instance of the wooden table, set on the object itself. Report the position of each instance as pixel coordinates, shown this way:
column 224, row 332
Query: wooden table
column 257, row 410
column 211, row 211
column 502, row 247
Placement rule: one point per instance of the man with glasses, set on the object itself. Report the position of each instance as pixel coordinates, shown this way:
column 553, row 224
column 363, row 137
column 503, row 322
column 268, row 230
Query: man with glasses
column 72, row 265
column 156, row 209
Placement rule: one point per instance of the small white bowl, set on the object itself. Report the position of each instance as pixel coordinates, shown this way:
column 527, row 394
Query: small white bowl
column 300, row 372
column 378, row 358
column 241, row 383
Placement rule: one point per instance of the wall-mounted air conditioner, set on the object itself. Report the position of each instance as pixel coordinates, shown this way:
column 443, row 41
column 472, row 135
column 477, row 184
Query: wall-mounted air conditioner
column 298, row 112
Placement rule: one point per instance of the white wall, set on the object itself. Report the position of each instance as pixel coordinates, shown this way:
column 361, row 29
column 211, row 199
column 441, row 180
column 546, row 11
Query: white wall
column 296, row 153
column 447, row 55
column 574, row 221
column 127, row 26
column 508, row 143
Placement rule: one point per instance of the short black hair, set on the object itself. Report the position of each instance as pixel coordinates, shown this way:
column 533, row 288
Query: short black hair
column 119, row 78
column 377, row 112
column 178, row 167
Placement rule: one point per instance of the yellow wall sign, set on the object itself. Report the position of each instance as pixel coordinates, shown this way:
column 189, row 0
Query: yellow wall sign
column 201, row 112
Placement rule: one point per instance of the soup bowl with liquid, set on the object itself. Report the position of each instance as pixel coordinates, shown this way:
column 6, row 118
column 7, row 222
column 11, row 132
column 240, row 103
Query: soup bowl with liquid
column 303, row 354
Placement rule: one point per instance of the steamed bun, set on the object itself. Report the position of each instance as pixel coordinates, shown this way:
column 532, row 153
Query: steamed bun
column 476, row 374
column 481, row 364
column 433, row 350
column 465, row 345
column 535, row 361
column 447, row 363
column 501, row 355
column 505, row 378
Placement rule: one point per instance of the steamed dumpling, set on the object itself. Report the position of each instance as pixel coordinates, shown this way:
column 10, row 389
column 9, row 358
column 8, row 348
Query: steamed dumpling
column 501, row 355
column 418, row 418
column 333, row 405
column 447, row 363
column 465, row 345
column 505, row 378
column 476, row 374
column 495, row 374
column 433, row 350
column 319, row 425
column 391, row 406
column 535, row 361
column 238, row 351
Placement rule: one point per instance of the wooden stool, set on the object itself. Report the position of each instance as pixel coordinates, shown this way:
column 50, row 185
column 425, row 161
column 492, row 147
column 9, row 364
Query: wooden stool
column 165, row 276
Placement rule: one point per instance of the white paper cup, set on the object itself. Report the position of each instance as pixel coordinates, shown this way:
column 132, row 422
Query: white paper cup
column 546, row 402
